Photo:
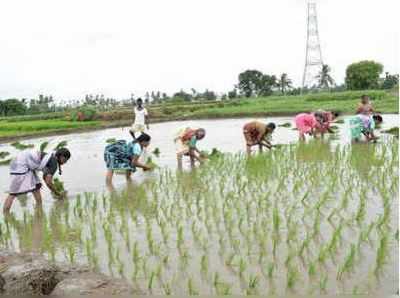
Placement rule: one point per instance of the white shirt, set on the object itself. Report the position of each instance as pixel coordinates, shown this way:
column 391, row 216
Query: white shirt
column 140, row 116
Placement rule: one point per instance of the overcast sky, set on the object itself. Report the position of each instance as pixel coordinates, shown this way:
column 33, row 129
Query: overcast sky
column 68, row 48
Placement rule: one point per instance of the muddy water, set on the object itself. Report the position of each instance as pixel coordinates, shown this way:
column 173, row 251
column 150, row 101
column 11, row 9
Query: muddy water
column 86, row 169
column 85, row 173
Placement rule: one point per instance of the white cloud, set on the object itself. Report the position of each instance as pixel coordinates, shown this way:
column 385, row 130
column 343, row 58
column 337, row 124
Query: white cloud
column 69, row 48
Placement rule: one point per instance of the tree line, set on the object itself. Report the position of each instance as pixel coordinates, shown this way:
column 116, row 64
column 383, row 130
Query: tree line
column 361, row 75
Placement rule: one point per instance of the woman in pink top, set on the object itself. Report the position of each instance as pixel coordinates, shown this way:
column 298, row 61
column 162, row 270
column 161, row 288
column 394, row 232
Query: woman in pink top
column 306, row 123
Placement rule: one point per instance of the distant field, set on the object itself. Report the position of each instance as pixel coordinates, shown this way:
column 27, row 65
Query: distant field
column 345, row 102
column 8, row 129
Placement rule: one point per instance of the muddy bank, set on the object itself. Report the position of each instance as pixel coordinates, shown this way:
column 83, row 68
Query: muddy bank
column 31, row 274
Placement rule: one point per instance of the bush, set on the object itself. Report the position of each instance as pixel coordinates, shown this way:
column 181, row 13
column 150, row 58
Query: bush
column 84, row 114
column 350, row 95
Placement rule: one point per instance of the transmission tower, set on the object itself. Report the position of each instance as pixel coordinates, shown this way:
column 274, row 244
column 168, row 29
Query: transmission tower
column 313, row 50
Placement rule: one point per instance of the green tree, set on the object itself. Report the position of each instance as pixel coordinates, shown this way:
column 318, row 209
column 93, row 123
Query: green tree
column 325, row 80
column 390, row 81
column 284, row 83
column 363, row 75
column 266, row 86
column 12, row 107
column 249, row 82
column 255, row 83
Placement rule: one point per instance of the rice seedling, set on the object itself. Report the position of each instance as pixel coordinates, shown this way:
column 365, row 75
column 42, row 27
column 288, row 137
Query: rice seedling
column 191, row 288
column 167, row 289
column 204, row 264
column 323, row 283
column 156, row 151
column 252, row 285
column 291, row 277
column 58, row 185
column 381, row 253
column 111, row 140
column 60, row 145
column 348, row 263
column 286, row 124
column 21, row 146
column 312, row 270
column 4, row 154
column 5, row 162
column 151, row 281
column 43, row 146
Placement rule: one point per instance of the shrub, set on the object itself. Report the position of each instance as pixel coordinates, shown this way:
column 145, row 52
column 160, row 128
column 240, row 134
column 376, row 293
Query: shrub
column 84, row 114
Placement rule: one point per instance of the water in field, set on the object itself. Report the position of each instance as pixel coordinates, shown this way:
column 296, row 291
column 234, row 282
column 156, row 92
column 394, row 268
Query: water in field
column 304, row 219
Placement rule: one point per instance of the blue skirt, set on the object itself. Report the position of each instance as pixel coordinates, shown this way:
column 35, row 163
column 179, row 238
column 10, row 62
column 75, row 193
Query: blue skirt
column 117, row 156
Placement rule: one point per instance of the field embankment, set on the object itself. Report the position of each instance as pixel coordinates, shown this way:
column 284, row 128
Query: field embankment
column 55, row 123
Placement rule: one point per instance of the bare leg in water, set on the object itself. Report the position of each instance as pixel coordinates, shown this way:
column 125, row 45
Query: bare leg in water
column 8, row 203
column 109, row 177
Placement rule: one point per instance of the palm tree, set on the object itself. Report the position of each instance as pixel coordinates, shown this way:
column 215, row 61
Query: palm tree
column 324, row 78
column 284, row 83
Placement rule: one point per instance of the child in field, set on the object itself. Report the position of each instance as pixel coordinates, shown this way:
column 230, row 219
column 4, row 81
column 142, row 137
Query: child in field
column 23, row 171
column 125, row 156
column 307, row 123
column 141, row 119
column 186, row 142
column 365, row 107
column 258, row 133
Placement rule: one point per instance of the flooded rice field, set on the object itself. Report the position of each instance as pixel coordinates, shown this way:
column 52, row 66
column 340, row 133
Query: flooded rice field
column 320, row 217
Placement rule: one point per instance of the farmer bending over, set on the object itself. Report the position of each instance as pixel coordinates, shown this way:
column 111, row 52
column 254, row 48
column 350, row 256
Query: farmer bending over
column 186, row 142
column 258, row 133
column 24, row 177
column 125, row 156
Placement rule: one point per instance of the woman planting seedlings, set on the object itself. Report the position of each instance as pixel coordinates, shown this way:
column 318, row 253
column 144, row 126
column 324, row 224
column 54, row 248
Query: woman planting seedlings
column 125, row 156
column 23, row 170
column 306, row 123
column 186, row 142
column 258, row 133
column 325, row 119
column 363, row 125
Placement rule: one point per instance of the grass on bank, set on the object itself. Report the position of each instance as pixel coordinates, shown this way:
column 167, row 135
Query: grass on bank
column 345, row 102
column 9, row 129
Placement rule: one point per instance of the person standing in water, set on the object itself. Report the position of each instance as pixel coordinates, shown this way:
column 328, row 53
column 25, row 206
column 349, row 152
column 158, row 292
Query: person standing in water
column 141, row 119
column 125, row 156
column 258, row 134
column 365, row 107
column 186, row 144
column 24, row 177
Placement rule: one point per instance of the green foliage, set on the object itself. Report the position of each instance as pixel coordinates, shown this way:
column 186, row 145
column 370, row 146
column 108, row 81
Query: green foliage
column 5, row 162
column 324, row 78
column 20, row 146
column 13, row 106
column 390, row 81
column 61, row 144
column 156, row 151
column 255, row 83
column 58, row 185
column 85, row 113
column 394, row 131
column 363, row 75
column 43, row 146
column 4, row 154
column 111, row 140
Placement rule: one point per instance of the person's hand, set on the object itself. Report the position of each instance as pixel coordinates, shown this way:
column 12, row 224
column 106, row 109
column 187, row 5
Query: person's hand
column 59, row 195
column 147, row 168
